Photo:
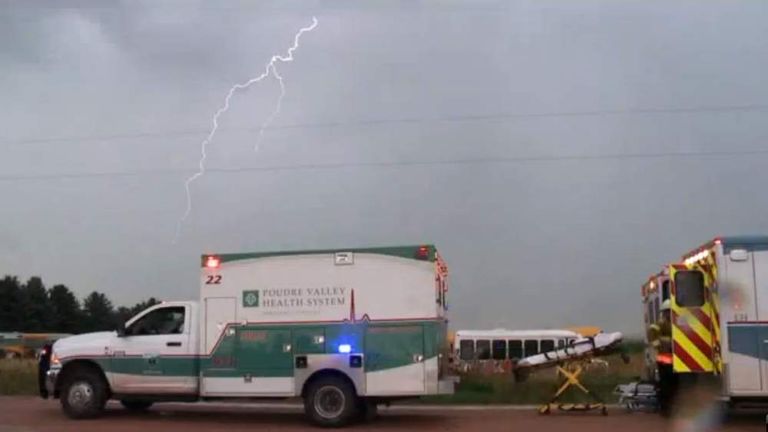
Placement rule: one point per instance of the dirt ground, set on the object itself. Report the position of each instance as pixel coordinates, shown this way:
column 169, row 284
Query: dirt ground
column 28, row 414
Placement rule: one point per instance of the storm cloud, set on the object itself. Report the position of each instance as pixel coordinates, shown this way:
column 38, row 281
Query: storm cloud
column 556, row 152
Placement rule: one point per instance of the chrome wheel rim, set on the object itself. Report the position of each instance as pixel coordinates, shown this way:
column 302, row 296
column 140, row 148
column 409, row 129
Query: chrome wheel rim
column 329, row 402
column 80, row 395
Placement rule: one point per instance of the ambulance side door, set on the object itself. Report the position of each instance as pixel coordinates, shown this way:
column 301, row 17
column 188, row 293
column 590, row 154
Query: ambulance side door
column 739, row 311
column 760, row 262
column 154, row 354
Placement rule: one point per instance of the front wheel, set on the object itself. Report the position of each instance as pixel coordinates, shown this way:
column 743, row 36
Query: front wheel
column 331, row 402
column 84, row 395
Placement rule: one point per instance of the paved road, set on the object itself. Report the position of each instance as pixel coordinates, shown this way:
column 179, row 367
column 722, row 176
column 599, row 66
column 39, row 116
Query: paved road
column 25, row 414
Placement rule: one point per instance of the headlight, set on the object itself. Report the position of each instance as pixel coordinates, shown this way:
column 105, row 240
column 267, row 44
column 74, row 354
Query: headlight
column 55, row 360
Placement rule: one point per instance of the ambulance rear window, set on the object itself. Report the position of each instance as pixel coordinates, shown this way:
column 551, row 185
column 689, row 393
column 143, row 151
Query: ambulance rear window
column 689, row 288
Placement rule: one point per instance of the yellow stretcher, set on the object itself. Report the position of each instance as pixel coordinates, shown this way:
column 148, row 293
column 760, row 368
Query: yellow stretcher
column 568, row 373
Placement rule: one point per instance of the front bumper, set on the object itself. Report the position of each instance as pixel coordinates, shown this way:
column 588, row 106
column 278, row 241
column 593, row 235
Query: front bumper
column 43, row 366
column 50, row 381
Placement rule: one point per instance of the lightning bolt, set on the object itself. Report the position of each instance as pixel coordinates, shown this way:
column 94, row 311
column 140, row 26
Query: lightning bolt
column 269, row 69
column 274, row 113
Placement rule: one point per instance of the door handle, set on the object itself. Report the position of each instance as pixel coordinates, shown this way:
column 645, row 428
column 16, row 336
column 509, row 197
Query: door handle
column 173, row 344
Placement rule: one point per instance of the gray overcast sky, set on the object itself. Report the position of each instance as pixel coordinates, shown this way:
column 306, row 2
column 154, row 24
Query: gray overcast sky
column 97, row 87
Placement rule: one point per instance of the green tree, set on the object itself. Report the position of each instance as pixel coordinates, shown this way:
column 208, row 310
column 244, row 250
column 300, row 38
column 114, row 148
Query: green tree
column 10, row 304
column 99, row 313
column 67, row 316
column 38, row 314
column 138, row 307
column 122, row 315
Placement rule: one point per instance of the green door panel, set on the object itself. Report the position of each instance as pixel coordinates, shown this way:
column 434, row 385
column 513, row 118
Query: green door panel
column 264, row 352
column 391, row 346
column 309, row 340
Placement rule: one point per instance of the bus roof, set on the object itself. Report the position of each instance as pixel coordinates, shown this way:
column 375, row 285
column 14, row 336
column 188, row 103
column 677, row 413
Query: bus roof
column 10, row 335
column 504, row 333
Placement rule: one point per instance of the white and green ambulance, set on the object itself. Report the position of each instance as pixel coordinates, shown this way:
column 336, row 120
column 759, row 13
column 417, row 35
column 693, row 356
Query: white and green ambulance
column 344, row 329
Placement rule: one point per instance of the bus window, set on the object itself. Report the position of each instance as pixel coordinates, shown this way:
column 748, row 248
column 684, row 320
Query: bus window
column 531, row 347
column 467, row 350
column 483, row 349
column 560, row 343
column 547, row 345
column 499, row 349
column 665, row 290
column 515, row 349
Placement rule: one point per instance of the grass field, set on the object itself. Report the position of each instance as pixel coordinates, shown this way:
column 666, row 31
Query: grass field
column 18, row 377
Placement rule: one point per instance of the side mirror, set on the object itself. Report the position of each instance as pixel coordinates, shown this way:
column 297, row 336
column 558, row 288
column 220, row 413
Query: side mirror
column 121, row 330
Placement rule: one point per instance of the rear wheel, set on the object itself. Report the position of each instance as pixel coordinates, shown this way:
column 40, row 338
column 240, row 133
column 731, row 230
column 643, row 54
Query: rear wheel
column 136, row 405
column 84, row 394
column 331, row 402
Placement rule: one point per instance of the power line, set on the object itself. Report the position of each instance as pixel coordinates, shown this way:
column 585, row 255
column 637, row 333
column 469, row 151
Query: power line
column 406, row 120
column 384, row 164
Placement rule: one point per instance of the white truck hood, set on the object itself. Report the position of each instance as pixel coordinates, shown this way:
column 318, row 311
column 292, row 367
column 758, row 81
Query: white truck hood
column 88, row 344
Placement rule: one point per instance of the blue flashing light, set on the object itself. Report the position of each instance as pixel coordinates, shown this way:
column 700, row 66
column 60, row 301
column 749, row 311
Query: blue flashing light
column 345, row 348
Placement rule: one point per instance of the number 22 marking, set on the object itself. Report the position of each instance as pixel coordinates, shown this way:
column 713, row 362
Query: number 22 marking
column 213, row 280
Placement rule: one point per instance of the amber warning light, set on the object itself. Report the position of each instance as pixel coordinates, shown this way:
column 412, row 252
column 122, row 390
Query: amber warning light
column 212, row 262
